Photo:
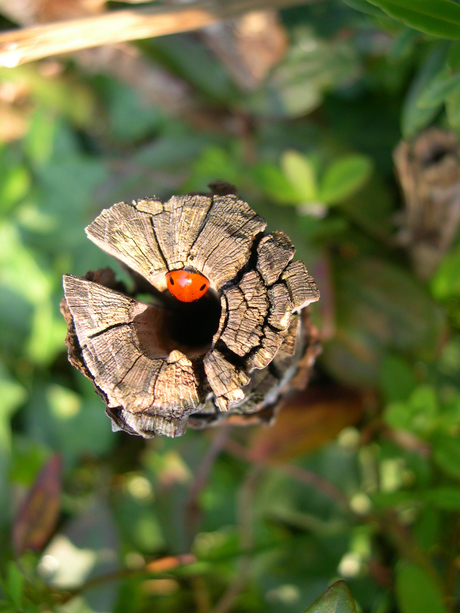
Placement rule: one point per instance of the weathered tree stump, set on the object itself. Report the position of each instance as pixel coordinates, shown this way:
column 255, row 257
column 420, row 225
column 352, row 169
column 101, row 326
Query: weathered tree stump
column 234, row 354
column 429, row 173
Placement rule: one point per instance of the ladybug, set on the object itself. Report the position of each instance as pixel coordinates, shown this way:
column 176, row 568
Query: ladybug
column 187, row 286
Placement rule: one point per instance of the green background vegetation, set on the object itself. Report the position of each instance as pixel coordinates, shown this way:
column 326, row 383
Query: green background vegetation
column 257, row 519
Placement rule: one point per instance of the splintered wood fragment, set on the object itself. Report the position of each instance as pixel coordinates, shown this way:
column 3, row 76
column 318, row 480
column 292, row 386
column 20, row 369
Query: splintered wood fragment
column 213, row 235
column 225, row 379
column 281, row 306
column 129, row 361
column 301, row 285
column 225, row 241
column 429, row 173
column 266, row 350
column 275, row 251
column 291, row 337
column 247, row 308
column 178, row 225
column 126, row 233
column 159, row 368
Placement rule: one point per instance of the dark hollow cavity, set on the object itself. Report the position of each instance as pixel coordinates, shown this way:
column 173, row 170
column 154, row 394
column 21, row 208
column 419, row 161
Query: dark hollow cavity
column 194, row 323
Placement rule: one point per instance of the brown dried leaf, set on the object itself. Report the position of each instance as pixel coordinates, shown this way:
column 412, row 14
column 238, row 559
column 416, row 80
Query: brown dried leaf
column 37, row 517
column 249, row 46
column 307, row 422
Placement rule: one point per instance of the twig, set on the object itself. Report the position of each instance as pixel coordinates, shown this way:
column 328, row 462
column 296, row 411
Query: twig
column 245, row 515
column 296, row 472
column 192, row 508
column 29, row 44
column 178, row 561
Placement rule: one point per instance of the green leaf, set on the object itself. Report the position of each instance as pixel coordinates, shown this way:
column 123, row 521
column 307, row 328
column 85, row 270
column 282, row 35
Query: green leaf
column 416, row 590
column 272, row 182
column 403, row 44
column 344, row 177
column 438, row 90
column 440, row 18
column 377, row 316
column 312, row 66
column 14, row 186
column 446, row 453
column 363, row 6
column 446, row 282
column 12, row 395
column 396, row 378
column 447, row 498
column 15, row 582
column 336, row 599
column 453, row 109
column 414, row 118
column 301, row 174
column 68, row 97
column 453, row 57
column 418, row 414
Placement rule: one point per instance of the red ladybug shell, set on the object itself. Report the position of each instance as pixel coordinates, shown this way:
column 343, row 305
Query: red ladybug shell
column 186, row 286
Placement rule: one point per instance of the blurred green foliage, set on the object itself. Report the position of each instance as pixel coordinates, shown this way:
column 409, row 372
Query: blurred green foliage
column 195, row 524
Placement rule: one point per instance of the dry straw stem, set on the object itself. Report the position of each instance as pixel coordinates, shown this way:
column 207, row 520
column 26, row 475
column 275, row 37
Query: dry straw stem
column 38, row 42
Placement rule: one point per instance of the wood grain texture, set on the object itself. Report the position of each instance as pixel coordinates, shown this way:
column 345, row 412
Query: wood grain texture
column 140, row 358
column 123, row 348
column 302, row 287
column 247, row 308
column 275, row 251
column 224, row 244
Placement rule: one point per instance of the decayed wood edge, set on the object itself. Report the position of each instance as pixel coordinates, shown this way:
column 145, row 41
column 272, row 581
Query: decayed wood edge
column 38, row 42
column 302, row 362
column 428, row 172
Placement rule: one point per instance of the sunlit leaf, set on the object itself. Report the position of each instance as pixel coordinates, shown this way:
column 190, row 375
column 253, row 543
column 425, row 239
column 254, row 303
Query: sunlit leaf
column 418, row 414
column 344, row 177
column 446, row 282
column 39, row 140
column 337, row 599
column 301, row 174
column 274, row 183
column 14, row 186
